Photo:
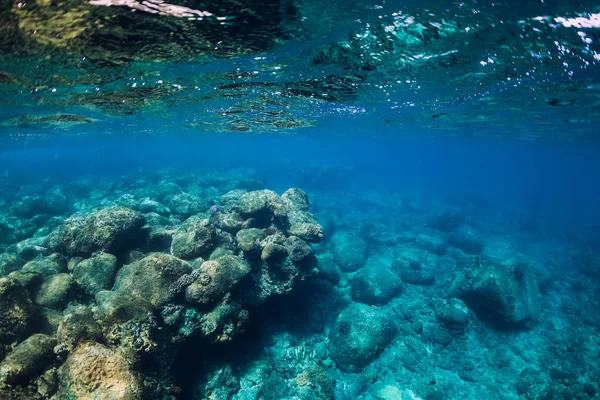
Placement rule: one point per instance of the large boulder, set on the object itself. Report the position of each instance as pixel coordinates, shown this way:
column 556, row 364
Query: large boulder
column 150, row 278
column 360, row 333
column 262, row 206
column 301, row 222
column 27, row 359
column 96, row 273
column 375, row 285
column 216, row 278
column 113, row 230
column 194, row 238
column 14, row 229
column 446, row 221
column 16, row 311
column 9, row 263
column 96, row 371
column 467, row 240
column 349, row 250
column 414, row 266
column 45, row 266
column 505, row 296
column 186, row 205
column 56, row 291
column 77, row 325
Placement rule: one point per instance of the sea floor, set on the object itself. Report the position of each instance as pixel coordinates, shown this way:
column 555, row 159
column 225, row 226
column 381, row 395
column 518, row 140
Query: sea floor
column 210, row 285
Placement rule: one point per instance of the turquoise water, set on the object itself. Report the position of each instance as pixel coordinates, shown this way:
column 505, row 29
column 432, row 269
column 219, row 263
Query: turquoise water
column 297, row 200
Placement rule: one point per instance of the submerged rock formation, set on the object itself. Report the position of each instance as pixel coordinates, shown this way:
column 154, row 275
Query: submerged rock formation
column 108, row 300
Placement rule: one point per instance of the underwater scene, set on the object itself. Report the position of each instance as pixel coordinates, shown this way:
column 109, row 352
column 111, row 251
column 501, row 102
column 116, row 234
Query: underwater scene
column 299, row 200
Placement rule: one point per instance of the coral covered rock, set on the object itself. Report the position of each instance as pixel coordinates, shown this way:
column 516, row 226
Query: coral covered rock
column 414, row 266
column 216, row 278
column 194, row 238
column 150, row 278
column 349, row 250
column 56, row 291
column 16, row 311
column 452, row 312
column 27, row 359
column 375, row 285
column 505, row 296
column 113, row 230
column 9, row 263
column 95, row 371
column 301, row 222
column 249, row 240
column 186, row 205
column 262, row 206
column 77, row 325
column 14, row 229
column 45, row 266
column 446, row 221
column 466, row 240
column 152, row 206
column 360, row 333
column 96, row 273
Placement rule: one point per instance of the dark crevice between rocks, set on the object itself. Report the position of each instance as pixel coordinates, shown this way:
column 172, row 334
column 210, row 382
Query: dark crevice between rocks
column 313, row 305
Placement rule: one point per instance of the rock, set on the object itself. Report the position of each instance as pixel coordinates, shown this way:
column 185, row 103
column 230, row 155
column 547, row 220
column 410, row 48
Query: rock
column 27, row 359
column 16, row 311
column 56, row 291
column 360, row 333
column 375, row 286
column 446, row 221
column 96, row 273
column 262, row 206
column 118, row 307
column 194, row 238
column 249, row 240
column 432, row 244
column 216, row 278
column 29, row 206
column 148, row 205
column 466, row 240
column 126, row 201
column 505, row 296
column 301, row 222
column 186, row 205
column 328, row 270
column 349, row 251
column 77, row 325
column 150, row 278
column 31, row 248
column 221, row 384
column 14, row 229
column 30, row 280
column 9, row 262
column 273, row 253
column 113, row 230
column 96, row 371
column 45, row 266
column 160, row 240
column 300, row 252
column 414, row 266
column 452, row 312
column 224, row 321
column 227, row 221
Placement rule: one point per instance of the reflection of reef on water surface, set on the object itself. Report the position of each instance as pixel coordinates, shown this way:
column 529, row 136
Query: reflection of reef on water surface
column 476, row 68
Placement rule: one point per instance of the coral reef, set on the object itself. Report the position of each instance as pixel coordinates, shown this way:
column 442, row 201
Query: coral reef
column 111, row 305
column 205, row 285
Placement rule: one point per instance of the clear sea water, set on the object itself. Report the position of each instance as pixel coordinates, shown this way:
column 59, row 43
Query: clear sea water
column 386, row 114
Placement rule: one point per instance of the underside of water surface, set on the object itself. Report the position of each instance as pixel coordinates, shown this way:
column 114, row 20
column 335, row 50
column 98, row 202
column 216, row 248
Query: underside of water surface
column 292, row 199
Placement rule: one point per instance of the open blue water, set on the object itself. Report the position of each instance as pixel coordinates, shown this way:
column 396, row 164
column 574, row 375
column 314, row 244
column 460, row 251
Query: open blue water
column 150, row 247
